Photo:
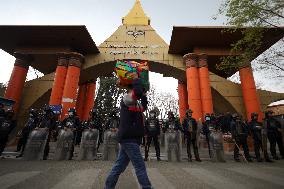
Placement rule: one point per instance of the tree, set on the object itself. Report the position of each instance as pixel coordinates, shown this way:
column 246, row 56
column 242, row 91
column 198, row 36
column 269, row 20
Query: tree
column 107, row 96
column 254, row 17
column 163, row 101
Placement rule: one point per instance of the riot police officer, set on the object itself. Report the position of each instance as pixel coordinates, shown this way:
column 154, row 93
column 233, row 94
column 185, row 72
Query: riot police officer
column 239, row 132
column 207, row 126
column 274, row 135
column 173, row 137
column 190, row 131
column 48, row 121
column 95, row 122
column 7, row 125
column 152, row 131
column 72, row 122
column 255, row 129
column 32, row 123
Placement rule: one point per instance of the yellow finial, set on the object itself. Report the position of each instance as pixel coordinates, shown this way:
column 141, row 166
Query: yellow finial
column 136, row 16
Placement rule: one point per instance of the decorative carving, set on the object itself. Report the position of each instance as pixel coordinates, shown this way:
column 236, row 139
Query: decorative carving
column 22, row 60
column 202, row 60
column 62, row 59
column 75, row 59
column 22, row 63
column 190, row 60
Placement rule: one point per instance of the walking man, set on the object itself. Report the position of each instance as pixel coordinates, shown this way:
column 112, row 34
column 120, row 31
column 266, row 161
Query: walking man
column 130, row 134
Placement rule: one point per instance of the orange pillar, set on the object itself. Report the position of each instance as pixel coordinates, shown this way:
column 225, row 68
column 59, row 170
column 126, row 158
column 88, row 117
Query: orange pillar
column 182, row 101
column 59, row 80
column 205, row 88
column 81, row 100
column 89, row 100
column 17, row 82
column 249, row 92
column 71, row 83
column 193, row 89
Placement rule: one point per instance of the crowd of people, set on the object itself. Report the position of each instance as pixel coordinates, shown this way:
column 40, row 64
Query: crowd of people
column 239, row 129
column 234, row 124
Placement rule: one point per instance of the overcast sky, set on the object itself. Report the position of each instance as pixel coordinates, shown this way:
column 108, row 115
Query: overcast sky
column 102, row 17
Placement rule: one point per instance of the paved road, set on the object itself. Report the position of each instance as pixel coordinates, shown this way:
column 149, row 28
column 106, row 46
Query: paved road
column 19, row 174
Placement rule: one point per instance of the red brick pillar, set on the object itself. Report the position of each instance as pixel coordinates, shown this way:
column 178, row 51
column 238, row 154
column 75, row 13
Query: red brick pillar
column 89, row 100
column 71, row 83
column 81, row 100
column 205, row 88
column 249, row 92
column 193, row 88
column 17, row 82
column 59, row 80
column 182, row 101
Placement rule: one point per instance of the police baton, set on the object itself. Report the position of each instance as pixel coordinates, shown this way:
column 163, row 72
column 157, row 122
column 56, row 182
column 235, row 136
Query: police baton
column 241, row 152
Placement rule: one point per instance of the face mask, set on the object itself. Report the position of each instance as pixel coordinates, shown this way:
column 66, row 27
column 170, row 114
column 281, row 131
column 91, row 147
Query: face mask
column 207, row 118
column 31, row 115
column 152, row 115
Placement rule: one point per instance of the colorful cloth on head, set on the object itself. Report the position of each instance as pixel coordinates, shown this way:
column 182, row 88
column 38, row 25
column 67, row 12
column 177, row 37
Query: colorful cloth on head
column 128, row 70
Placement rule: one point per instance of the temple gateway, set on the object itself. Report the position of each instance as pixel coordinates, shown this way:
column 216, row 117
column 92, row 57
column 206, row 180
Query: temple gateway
column 71, row 62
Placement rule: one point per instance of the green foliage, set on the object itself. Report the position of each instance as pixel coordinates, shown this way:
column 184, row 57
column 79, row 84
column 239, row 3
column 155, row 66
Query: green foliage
column 253, row 17
column 108, row 96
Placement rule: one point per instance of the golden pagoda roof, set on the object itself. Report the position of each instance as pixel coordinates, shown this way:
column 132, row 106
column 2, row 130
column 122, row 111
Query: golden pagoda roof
column 136, row 16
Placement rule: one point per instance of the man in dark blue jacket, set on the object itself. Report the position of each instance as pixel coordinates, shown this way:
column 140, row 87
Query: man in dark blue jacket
column 152, row 131
column 130, row 133
column 189, row 125
column 239, row 132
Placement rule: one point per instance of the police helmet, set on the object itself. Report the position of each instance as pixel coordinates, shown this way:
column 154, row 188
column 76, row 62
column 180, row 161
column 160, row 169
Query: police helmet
column 235, row 116
column 189, row 111
column 72, row 110
column 253, row 114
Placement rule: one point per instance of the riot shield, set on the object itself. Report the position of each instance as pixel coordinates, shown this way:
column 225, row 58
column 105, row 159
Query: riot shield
column 198, row 132
column 217, row 148
column 88, row 146
column 162, row 139
column 36, row 143
column 173, row 145
column 111, row 146
column 64, row 145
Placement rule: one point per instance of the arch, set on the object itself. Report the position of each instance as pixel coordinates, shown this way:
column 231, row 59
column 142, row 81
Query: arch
column 106, row 68
column 220, row 104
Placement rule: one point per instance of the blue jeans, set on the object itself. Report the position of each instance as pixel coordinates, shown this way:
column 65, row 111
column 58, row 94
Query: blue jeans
column 128, row 152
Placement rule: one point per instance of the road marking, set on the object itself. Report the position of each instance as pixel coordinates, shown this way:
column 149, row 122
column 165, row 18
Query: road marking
column 259, row 175
column 11, row 179
column 157, row 180
column 78, row 179
column 213, row 179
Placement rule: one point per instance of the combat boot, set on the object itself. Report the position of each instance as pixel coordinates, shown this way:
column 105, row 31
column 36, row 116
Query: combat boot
column 196, row 155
